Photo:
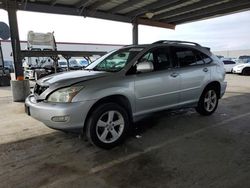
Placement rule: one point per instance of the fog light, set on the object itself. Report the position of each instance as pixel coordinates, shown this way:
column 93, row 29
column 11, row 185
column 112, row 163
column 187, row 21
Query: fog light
column 60, row 118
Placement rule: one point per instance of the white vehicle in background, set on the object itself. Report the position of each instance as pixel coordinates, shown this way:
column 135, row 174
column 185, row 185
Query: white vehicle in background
column 228, row 65
column 74, row 64
column 243, row 69
column 243, row 66
column 38, row 42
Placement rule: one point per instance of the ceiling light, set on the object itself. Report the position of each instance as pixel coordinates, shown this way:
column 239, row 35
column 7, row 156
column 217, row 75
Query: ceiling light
column 149, row 15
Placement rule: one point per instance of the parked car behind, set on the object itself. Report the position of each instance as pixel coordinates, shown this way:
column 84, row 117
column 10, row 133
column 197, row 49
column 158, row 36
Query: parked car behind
column 82, row 62
column 242, row 68
column 9, row 65
column 73, row 64
column 228, row 65
column 105, row 99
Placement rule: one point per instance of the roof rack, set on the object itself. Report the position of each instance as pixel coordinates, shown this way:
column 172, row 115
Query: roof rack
column 175, row 41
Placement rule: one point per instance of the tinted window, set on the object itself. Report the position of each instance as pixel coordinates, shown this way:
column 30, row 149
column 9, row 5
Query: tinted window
column 205, row 57
column 228, row 62
column 159, row 57
column 189, row 57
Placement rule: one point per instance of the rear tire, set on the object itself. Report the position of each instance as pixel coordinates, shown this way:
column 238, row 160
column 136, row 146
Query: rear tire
column 107, row 125
column 208, row 101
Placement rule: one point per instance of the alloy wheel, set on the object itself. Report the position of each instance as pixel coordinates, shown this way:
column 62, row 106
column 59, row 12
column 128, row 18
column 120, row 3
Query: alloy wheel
column 110, row 126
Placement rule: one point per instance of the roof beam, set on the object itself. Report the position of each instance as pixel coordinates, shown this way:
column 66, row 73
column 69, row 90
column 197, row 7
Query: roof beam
column 151, row 7
column 124, row 5
column 28, row 53
column 53, row 2
column 58, row 9
column 97, row 4
column 2, row 5
column 202, row 12
column 82, row 3
column 188, row 8
column 215, row 14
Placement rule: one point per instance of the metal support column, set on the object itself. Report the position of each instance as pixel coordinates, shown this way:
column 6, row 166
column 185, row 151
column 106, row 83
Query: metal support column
column 135, row 33
column 15, row 42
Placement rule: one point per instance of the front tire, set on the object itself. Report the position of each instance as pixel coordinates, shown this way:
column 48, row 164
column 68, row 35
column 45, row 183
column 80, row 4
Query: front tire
column 208, row 101
column 107, row 125
column 246, row 71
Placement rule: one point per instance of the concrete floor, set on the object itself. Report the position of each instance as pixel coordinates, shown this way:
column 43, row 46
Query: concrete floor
column 171, row 149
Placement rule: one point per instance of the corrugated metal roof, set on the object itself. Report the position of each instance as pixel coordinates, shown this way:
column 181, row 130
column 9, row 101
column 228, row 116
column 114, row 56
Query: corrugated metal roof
column 163, row 13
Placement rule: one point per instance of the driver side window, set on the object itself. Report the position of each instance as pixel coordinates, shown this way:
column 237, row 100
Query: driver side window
column 159, row 57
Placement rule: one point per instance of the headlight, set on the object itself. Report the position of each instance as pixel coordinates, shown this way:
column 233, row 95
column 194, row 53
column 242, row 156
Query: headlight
column 65, row 94
column 240, row 66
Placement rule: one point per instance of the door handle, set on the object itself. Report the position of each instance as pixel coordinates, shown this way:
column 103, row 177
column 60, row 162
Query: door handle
column 174, row 74
column 205, row 69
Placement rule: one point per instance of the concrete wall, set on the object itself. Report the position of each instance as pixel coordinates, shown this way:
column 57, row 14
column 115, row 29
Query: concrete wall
column 232, row 53
column 6, row 47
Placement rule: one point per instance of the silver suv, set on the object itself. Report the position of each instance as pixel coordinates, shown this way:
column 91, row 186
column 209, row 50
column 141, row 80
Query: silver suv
column 104, row 99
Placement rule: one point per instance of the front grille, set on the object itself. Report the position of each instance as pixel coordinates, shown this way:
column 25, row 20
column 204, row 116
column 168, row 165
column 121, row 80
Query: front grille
column 38, row 90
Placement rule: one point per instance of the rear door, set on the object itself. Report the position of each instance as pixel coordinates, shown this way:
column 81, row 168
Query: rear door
column 194, row 72
column 158, row 89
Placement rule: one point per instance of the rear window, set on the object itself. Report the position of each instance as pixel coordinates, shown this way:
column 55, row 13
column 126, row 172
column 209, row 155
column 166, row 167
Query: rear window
column 190, row 57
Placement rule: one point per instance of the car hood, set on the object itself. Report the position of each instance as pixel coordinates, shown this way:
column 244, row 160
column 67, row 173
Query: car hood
column 241, row 65
column 71, row 77
column 53, row 82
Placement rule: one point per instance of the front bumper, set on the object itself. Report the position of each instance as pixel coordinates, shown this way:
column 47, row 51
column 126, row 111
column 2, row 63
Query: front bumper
column 223, row 89
column 45, row 112
column 237, row 70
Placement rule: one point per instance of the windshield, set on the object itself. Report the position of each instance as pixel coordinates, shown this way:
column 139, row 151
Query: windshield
column 246, row 60
column 115, row 61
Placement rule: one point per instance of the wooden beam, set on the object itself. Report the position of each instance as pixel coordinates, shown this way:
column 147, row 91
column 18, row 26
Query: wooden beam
column 155, row 23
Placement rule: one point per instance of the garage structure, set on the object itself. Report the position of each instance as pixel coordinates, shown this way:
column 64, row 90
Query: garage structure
column 190, row 150
column 158, row 13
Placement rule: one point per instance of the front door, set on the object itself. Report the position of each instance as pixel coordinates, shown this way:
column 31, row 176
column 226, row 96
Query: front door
column 158, row 89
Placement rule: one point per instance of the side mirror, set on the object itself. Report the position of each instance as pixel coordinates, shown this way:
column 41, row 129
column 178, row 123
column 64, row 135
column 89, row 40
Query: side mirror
column 145, row 66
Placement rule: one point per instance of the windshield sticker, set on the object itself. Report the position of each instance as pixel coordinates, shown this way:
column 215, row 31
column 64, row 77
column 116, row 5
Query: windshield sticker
column 135, row 49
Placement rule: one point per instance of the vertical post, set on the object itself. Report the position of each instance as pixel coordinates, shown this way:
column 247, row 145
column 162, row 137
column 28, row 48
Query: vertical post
column 135, row 33
column 15, row 42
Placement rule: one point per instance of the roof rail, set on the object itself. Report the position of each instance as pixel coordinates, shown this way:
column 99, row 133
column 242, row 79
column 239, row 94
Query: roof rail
column 175, row 41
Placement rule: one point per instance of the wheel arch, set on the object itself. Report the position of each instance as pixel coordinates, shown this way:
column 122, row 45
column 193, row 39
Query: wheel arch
column 121, row 100
column 216, row 85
